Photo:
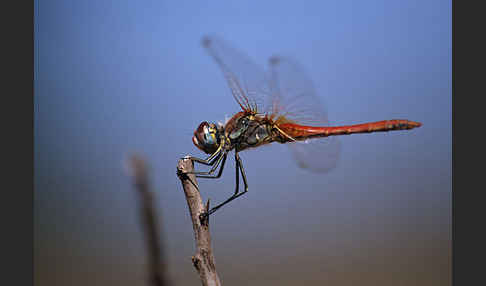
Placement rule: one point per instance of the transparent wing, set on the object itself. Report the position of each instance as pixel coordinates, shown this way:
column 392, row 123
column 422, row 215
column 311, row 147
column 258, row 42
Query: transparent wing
column 286, row 91
column 294, row 96
column 317, row 155
column 247, row 81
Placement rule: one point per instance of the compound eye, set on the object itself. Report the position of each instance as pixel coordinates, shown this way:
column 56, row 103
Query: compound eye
column 209, row 136
column 206, row 137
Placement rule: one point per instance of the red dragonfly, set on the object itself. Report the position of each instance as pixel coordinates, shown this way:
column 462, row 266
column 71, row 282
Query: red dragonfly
column 279, row 106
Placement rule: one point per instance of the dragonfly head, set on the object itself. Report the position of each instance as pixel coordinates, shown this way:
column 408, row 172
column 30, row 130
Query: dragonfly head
column 207, row 137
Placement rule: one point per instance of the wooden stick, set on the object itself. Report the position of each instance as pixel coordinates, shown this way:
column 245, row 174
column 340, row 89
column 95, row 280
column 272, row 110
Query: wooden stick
column 157, row 269
column 203, row 259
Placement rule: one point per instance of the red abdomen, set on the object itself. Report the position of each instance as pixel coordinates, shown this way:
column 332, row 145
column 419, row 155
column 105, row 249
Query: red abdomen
column 302, row 132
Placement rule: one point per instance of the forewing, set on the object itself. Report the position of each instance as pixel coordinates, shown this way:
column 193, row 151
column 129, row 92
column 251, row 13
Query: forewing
column 294, row 97
column 247, row 81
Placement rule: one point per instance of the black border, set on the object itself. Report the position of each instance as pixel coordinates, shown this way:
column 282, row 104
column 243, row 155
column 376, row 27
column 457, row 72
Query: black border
column 17, row 97
column 468, row 72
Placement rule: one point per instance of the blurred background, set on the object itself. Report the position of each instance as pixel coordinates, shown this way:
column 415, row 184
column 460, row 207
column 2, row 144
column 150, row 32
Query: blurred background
column 117, row 77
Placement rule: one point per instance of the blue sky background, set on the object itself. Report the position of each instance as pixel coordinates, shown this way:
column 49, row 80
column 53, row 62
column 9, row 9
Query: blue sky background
column 116, row 77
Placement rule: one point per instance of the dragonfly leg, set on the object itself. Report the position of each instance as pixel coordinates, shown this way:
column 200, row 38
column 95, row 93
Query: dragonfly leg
column 209, row 161
column 213, row 160
column 208, row 175
column 243, row 174
column 239, row 168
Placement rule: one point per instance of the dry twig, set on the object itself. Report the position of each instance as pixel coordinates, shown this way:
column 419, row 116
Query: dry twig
column 157, row 271
column 203, row 259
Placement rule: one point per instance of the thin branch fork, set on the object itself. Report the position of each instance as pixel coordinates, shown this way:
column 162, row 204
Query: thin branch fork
column 203, row 259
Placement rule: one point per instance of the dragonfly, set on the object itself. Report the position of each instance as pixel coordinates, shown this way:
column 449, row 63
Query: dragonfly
column 279, row 105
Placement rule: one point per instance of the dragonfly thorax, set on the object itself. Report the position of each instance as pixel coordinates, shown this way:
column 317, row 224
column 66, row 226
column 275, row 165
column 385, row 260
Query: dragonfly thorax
column 246, row 131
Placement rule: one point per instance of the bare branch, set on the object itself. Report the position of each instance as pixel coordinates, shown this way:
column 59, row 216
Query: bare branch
column 157, row 271
column 203, row 259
